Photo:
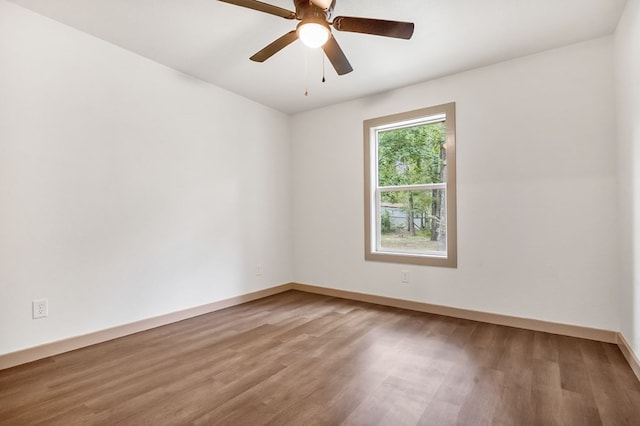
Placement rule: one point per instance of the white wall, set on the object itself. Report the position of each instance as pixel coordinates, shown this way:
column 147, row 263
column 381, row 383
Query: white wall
column 627, row 61
column 536, row 191
column 127, row 190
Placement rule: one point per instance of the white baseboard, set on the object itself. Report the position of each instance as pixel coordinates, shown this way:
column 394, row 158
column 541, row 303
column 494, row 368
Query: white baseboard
column 526, row 323
column 600, row 335
column 629, row 354
column 38, row 352
column 54, row 348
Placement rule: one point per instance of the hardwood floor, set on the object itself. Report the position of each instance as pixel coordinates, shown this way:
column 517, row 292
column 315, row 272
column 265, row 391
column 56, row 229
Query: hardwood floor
column 303, row 359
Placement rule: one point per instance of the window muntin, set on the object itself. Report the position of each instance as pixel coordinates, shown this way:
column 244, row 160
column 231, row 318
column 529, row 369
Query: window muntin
column 410, row 187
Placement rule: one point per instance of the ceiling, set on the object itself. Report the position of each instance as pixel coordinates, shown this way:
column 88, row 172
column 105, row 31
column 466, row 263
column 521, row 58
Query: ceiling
column 213, row 41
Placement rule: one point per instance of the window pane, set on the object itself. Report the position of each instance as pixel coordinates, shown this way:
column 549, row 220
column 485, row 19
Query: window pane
column 413, row 221
column 410, row 187
column 412, row 155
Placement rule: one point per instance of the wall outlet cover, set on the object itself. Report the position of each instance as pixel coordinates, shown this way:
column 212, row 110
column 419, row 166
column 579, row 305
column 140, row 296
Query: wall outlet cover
column 40, row 308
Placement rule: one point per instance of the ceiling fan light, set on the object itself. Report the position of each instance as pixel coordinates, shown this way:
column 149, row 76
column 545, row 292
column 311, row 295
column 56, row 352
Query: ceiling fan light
column 313, row 34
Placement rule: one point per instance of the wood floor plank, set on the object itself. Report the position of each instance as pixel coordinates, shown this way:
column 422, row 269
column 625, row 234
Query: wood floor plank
column 302, row 359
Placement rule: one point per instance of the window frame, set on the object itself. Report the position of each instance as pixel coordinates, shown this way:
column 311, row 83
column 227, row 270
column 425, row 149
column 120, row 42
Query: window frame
column 371, row 187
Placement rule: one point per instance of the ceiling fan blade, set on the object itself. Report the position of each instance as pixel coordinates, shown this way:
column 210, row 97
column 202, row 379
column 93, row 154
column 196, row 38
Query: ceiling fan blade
column 263, row 7
column 336, row 56
column 275, row 47
column 379, row 27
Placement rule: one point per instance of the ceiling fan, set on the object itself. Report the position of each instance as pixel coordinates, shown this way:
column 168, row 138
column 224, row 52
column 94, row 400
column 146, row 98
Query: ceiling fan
column 314, row 29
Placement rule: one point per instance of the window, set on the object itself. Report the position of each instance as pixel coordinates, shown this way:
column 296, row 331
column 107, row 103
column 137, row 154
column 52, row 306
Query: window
column 410, row 181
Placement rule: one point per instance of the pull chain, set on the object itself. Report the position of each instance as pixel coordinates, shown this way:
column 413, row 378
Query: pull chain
column 323, row 79
column 306, row 73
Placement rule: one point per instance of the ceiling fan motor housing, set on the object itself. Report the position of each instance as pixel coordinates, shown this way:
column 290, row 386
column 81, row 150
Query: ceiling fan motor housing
column 305, row 9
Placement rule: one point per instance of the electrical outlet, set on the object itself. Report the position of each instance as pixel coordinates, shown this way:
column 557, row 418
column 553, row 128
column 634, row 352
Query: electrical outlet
column 258, row 269
column 404, row 276
column 40, row 308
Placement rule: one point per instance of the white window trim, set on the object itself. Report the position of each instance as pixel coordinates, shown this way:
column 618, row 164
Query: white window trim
column 372, row 191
